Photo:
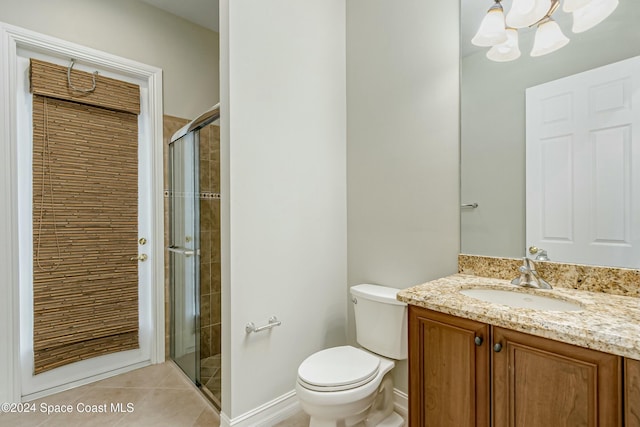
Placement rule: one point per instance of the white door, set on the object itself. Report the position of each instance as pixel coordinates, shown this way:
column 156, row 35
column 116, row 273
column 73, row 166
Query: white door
column 33, row 386
column 583, row 166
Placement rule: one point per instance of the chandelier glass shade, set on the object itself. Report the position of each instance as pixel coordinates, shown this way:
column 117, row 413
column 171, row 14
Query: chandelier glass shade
column 592, row 14
column 507, row 51
column 500, row 32
column 549, row 38
column 572, row 5
column 492, row 29
column 524, row 13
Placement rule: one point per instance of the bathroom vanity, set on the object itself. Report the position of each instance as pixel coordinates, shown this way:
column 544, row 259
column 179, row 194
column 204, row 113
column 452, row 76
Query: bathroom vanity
column 478, row 363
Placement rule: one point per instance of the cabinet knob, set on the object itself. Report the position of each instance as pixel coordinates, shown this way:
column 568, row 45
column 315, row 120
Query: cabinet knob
column 478, row 341
column 497, row 347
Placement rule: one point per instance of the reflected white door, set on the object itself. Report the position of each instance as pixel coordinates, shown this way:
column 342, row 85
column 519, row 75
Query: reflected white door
column 583, row 166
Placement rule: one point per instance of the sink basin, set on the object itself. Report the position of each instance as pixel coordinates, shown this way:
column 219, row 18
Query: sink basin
column 521, row 300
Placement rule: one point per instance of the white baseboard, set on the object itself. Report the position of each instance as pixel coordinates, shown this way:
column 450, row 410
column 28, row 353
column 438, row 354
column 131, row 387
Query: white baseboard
column 287, row 405
column 266, row 415
column 401, row 403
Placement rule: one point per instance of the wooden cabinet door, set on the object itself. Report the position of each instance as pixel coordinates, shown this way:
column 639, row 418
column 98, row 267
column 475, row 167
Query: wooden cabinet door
column 449, row 370
column 540, row 383
column 632, row 393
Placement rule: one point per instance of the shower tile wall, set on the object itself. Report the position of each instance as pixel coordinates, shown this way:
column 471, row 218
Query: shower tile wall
column 210, row 315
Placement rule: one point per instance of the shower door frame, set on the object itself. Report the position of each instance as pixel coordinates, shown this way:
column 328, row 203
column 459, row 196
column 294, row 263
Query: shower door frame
column 188, row 134
column 178, row 323
column 13, row 40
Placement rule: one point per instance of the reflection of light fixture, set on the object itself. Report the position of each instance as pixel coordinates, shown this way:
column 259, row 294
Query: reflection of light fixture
column 524, row 13
column 492, row 30
column 571, row 5
column 592, row 14
column 507, row 51
column 549, row 38
column 500, row 33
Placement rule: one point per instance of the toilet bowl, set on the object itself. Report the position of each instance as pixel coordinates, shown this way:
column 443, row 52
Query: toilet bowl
column 344, row 386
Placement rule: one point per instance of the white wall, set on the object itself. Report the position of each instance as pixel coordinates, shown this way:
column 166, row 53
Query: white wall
column 286, row 184
column 187, row 53
column 402, row 93
column 493, row 125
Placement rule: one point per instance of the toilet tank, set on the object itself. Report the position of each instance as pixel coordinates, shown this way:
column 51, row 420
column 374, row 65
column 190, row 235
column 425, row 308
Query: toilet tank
column 381, row 320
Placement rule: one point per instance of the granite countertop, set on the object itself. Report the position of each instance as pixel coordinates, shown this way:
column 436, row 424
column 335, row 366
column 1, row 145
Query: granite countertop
column 608, row 323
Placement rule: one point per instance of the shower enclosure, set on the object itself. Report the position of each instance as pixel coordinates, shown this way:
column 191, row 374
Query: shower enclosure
column 194, row 251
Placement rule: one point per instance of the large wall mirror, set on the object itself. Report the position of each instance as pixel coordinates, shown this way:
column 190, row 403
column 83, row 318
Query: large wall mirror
column 493, row 159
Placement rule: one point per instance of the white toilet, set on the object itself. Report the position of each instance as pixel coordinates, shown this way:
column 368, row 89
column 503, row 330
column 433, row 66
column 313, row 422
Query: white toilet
column 344, row 386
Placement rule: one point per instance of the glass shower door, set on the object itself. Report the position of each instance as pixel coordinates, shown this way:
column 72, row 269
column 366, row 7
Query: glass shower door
column 184, row 254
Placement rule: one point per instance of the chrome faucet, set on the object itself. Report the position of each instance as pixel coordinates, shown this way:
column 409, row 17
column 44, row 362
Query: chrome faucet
column 529, row 276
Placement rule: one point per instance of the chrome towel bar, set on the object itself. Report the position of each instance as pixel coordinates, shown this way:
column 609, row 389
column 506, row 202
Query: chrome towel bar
column 273, row 322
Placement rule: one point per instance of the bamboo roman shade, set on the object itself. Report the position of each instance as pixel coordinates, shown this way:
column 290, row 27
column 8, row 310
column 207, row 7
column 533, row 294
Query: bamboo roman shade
column 50, row 80
column 85, row 216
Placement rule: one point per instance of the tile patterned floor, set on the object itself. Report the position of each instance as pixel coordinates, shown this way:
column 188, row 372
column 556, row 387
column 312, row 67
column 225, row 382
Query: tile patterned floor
column 299, row 420
column 211, row 376
column 158, row 396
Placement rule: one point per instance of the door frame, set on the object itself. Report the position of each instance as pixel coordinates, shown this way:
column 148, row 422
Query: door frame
column 12, row 39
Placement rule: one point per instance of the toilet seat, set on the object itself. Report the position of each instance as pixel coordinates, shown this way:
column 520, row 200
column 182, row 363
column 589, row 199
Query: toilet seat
column 338, row 369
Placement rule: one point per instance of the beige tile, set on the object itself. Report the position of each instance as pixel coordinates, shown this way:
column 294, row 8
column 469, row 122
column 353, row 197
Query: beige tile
column 210, row 367
column 206, row 246
column 207, row 215
column 147, row 377
column 298, row 420
column 216, row 213
column 24, row 419
column 205, row 310
column 205, row 176
column 176, row 380
column 38, row 413
column 208, row 418
column 205, row 278
column 215, row 339
column 205, row 147
column 215, row 308
column 205, row 342
column 215, row 277
column 171, row 401
column 167, row 407
column 100, row 407
column 215, row 246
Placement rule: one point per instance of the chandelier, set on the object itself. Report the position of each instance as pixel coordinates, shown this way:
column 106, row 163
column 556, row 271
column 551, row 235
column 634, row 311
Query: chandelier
column 500, row 33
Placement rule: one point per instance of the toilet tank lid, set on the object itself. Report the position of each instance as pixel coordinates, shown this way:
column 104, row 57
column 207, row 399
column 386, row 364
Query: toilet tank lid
column 379, row 293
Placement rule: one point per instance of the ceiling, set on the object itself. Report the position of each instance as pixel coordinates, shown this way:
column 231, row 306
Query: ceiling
column 201, row 12
column 205, row 13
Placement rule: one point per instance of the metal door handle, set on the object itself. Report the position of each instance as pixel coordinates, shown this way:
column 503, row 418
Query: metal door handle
column 181, row 251
column 141, row 258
